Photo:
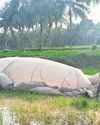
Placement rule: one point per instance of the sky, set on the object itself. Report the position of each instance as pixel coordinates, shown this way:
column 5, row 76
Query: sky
column 94, row 14
column 2, row 2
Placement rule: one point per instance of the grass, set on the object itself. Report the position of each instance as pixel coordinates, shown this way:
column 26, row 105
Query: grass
column 38, row 53
column 57, row 101
column 48, row 109
column 48, row 53
column 1, row 120
column 91, row 71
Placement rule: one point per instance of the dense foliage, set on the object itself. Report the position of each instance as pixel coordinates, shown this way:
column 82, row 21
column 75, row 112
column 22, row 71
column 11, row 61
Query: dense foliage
column 46, row 23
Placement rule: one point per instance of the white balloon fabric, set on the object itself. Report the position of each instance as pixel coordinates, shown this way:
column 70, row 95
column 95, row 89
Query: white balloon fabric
column 5, row 81
column 94, row 79
column 28, row 85
column 28, row 69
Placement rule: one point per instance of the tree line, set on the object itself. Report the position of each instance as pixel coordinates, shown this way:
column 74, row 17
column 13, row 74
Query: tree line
column 46, row 23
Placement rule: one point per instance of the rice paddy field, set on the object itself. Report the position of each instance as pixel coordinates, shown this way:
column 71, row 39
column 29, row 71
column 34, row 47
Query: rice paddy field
column 49, row 110
column 27, row 108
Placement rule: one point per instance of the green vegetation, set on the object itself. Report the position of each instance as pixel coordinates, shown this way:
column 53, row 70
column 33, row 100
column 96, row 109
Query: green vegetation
column 45, row 23
column 57, row 101
column 1, row 118
column 49, row 109
column 48, row 53
column 91, row 71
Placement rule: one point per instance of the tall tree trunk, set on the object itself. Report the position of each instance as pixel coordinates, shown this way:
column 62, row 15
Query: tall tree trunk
column 41, row 31
column 21, row 39
column 5, row 38
column 12, row 33
column 70, row 27
column 49, row 32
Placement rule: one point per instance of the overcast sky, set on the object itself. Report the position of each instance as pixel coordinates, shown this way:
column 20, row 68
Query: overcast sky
column 2, row 2
column 94, row 15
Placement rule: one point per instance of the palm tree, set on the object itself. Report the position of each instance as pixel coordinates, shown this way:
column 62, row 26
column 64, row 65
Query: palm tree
column 89, row 1
column 7, row 15
column 25, row 14
column 47, row 12
column 54, row 15
column 75, row 9
column 94, row 1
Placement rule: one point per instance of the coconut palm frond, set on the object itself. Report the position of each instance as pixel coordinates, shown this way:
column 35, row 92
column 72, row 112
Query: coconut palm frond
column 79, row 12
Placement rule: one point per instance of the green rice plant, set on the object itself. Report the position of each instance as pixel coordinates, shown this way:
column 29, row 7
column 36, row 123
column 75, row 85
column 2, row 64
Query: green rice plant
column 1, row 118
column 60, row 102
column 32, row 112
column 51, row 109
column 81, row 104
column 85, row 103
column 91, row 70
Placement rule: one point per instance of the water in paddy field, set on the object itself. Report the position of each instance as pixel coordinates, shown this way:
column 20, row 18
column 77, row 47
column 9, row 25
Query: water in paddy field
column 9, row 118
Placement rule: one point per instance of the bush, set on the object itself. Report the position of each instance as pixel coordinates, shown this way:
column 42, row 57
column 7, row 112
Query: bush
column 81, row 104
column 94, row 47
